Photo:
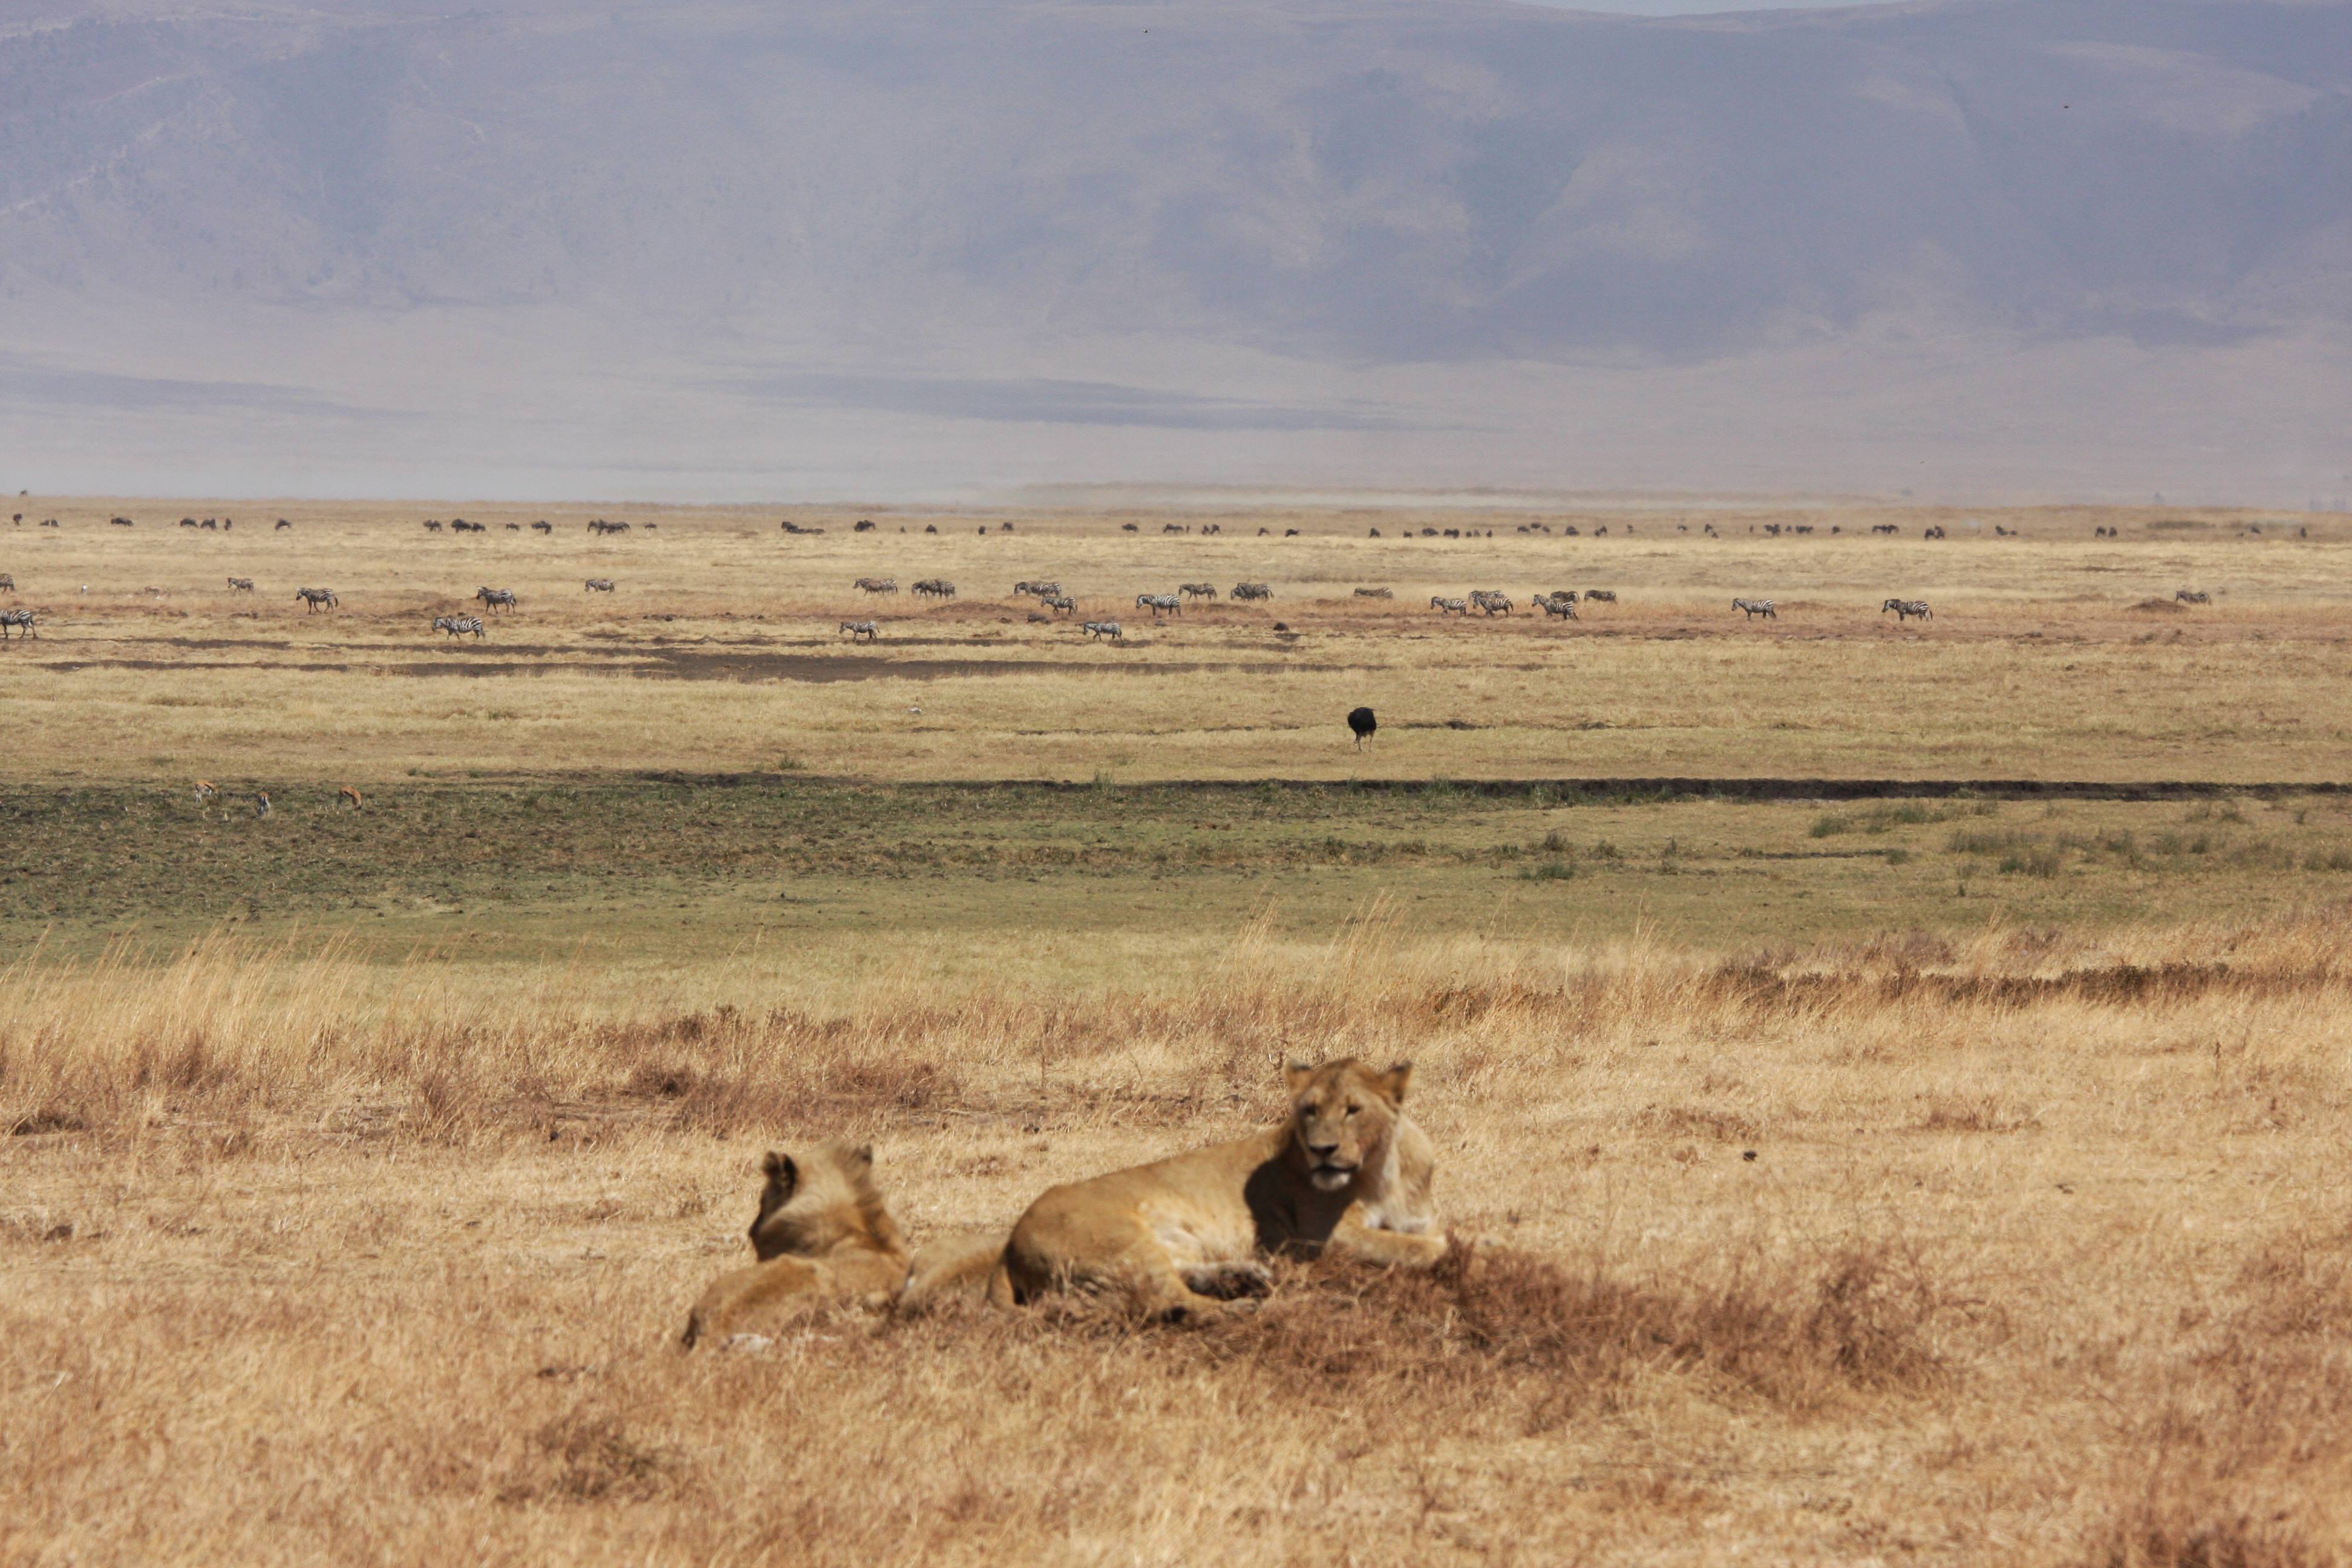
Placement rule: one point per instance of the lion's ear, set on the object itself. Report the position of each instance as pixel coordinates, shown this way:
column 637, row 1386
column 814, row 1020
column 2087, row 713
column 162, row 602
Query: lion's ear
column 862, row 1156
column 1393, row 1082
column 784, row 1175
column 1296, row 1075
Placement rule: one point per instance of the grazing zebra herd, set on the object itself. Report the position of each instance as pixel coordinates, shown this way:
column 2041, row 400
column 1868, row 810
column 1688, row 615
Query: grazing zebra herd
column 458, row 626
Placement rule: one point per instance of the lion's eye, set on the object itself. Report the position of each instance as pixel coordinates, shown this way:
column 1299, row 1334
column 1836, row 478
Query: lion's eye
column 1353, row 1108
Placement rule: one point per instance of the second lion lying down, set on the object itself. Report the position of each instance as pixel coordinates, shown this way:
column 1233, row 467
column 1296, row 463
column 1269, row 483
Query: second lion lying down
column 1178, row 1236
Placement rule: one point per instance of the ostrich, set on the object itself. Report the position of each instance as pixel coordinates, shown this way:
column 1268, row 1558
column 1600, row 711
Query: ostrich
column 1362, row 723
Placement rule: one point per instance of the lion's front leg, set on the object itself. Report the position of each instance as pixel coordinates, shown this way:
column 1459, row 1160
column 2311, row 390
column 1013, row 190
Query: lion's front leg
column 1390, row 1248
column 739, row 1295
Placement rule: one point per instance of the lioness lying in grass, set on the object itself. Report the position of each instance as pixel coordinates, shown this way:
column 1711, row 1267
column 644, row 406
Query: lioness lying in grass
column 1178, row 1236
column 823, row 1235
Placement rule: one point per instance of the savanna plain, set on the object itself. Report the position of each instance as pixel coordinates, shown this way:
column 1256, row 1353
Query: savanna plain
column 1889, row 1076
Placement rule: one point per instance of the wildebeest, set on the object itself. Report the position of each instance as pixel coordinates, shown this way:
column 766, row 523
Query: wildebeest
column 1362, row 721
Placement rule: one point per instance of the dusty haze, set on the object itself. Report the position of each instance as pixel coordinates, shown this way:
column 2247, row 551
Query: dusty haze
column 911, row 249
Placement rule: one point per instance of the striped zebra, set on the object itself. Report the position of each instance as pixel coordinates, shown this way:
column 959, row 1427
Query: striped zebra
column 1561, row 605
column 1251, row 591
column 317, row 599
column 1755, row 607
column 861, row 631
column 596, row 586
column 1491, row 601
column 1905, row 609
column 1159, row 604
column 1026, row 590
column 494, row 597
column 7, row 582
column 935, row 588
column 1374, row 594
column 2191, row 597
column 240, row 584
column 1599, row 596
column 1449, row 606
column 458, row 626
column 876, row 585
column 21, row 619
column 1060, row 603
column 1197, row 590
column 1110, row 629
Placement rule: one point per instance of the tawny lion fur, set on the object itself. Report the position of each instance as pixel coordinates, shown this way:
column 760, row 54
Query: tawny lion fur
column 1178, row 1237
column 823, row 1235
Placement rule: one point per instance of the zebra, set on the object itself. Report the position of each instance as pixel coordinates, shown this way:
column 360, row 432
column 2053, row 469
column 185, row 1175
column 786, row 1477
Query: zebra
column 1449, row 606
column 23, row 618
column 349, row 794
column 240, row 584
column 1561, row 605
column 1197, row 590
column 7, row 584
column 1491, row 601
column 935, row 588
column 2191, row 597
column 1251, row 591
column 261, row 803
column 876, row 585
column 1159, row 604
column 1599, row 596
column 1028, row 590
column 1060, row 603
column 597, row 585
column 1110, row 629
column 494, row 597
column 1905, row 608
column 317, row 598
column 1374, row 594
column 1755, row 607
column 866, row 631
column 458, row 626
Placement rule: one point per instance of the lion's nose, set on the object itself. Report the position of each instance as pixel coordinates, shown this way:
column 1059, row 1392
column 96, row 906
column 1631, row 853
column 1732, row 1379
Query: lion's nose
column 1321, row 1151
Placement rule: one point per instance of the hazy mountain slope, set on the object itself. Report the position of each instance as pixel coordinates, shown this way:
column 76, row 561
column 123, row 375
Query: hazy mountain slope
column 1188, row 216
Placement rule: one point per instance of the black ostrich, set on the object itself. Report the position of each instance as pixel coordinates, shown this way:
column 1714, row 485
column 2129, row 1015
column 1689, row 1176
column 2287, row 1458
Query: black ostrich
column 1362, row 723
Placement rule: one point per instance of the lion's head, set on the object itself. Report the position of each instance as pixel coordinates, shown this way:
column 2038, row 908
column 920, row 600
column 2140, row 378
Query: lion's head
column 819, row 1201
column 1343, row 1117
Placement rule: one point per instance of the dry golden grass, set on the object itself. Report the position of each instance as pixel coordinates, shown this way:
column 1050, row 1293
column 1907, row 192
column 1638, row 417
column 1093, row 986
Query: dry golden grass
column 2027, row 1242
column 719, row 653
column 2039, row 1257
